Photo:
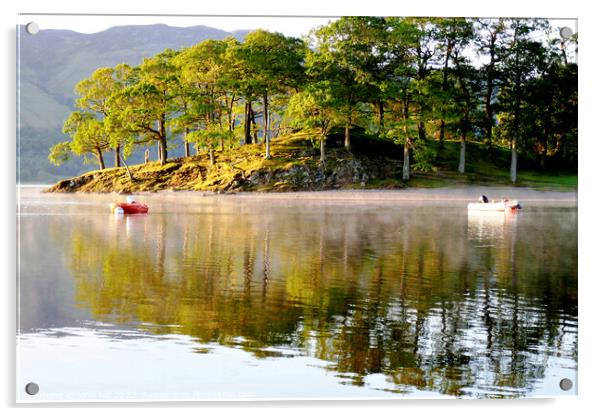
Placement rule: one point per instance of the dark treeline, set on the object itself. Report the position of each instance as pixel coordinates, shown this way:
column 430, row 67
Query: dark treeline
column 508, row 83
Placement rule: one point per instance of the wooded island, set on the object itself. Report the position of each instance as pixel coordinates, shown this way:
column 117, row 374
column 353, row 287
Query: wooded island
column 378, row 101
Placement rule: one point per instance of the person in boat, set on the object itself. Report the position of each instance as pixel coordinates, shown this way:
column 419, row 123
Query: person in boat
column 483, row 199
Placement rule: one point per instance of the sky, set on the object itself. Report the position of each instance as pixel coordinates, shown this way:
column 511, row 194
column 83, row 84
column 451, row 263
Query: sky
column 290, row 26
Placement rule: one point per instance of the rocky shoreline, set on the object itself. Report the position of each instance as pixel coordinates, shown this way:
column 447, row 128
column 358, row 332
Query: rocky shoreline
column 181, row 174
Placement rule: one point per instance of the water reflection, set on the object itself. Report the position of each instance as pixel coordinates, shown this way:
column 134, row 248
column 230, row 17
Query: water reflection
column 432, row 299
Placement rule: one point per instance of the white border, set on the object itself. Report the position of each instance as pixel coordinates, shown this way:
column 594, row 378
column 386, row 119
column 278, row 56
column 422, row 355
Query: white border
column 589, row 148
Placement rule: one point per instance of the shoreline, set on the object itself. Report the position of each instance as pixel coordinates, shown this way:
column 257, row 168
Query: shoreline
column 459, row 193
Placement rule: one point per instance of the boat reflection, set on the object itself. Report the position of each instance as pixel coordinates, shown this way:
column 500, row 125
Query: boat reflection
column 487, row 226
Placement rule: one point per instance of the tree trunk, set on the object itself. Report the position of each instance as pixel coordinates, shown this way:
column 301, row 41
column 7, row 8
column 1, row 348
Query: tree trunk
column 162, row 151
column 489, row 93
column 445, row 75
column 254, row 138
column 248, row 139
column 381, row 116
column 544, row 139
column 563, row 52
column 117, row 158
column 421, row 129
column 489, row 113
column 221, row 143
column 462, row 164
column 211, row 157
column 347, row 136
column 127, row 168
column 322, row 149
column 405, row 176
column 513, row 162
column 186, row 144
column 231, row 119
column 266, row 126
column 162, row 141
column 146, row 156
column 544, row 154
column 406, row 145
column 406, row 160
column 517, row 112
column 101, row 161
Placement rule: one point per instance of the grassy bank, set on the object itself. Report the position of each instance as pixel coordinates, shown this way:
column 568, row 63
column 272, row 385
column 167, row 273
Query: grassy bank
column 295, row 166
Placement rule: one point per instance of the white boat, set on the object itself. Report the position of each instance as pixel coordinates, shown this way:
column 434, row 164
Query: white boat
column 505, row 205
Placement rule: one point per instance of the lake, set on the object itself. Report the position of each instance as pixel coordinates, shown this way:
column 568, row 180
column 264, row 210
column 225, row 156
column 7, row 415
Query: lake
column 326, row 295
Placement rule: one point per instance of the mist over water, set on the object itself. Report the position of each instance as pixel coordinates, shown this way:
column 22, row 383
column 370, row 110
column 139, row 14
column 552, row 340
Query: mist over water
column 299, row 295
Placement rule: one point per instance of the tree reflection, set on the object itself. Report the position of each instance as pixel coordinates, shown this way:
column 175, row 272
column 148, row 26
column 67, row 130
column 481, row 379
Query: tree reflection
column 434, row 302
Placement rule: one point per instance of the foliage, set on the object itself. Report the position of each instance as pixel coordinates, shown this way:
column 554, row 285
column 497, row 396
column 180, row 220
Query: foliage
column 60, row 153
column 424, row 156
column 405, row 80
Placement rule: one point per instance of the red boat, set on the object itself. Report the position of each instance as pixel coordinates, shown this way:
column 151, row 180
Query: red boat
column 133, row 207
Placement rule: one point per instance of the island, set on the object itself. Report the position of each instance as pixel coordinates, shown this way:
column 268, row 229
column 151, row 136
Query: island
column 362, row 103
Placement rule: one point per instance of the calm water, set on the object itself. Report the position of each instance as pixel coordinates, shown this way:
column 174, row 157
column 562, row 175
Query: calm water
column 238, row 297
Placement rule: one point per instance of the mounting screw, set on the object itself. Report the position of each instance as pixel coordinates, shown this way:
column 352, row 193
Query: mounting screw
column 566, row 384
column 32, row 389
column 566, row 33
column 32, row 28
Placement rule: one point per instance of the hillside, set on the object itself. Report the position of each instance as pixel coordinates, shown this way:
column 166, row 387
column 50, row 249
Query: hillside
column 53, row 61
column 295, row 166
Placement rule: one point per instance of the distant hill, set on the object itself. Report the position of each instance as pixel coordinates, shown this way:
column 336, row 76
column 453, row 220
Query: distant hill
column 53, row 61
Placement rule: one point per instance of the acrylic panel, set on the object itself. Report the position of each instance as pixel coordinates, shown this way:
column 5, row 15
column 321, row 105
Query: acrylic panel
column 227, row 208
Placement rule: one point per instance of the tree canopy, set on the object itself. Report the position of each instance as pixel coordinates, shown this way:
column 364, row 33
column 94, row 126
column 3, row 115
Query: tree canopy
column 502, row 82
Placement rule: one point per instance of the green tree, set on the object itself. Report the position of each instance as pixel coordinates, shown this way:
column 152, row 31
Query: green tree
column 403, row 87
column 89, row 136
column 241, row 80
column 351, row 54
column 207, row 96
column 273, row 63
column 145, row 108
column 551, row 123
column 93, row 104
column 315, row 108
column 492, row 38
column 524, row 59
column 452, row 35
column 423, row 49
column 465, row 99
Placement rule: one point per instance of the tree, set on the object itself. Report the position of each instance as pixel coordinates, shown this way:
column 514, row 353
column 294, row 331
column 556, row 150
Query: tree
column 400, row 79
column 94, row 94
column 315, row 108
column 60, row 153
column 491, row 40
column 403, row 87
column 524, row 59
column 273, row 62
column 207, row 97
column 147, row 106
column 453, row 35
column 89, row 136
column 351, row 54
column 550, row 125
column 241, row 81
column 465, row 93
column 422, row 46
